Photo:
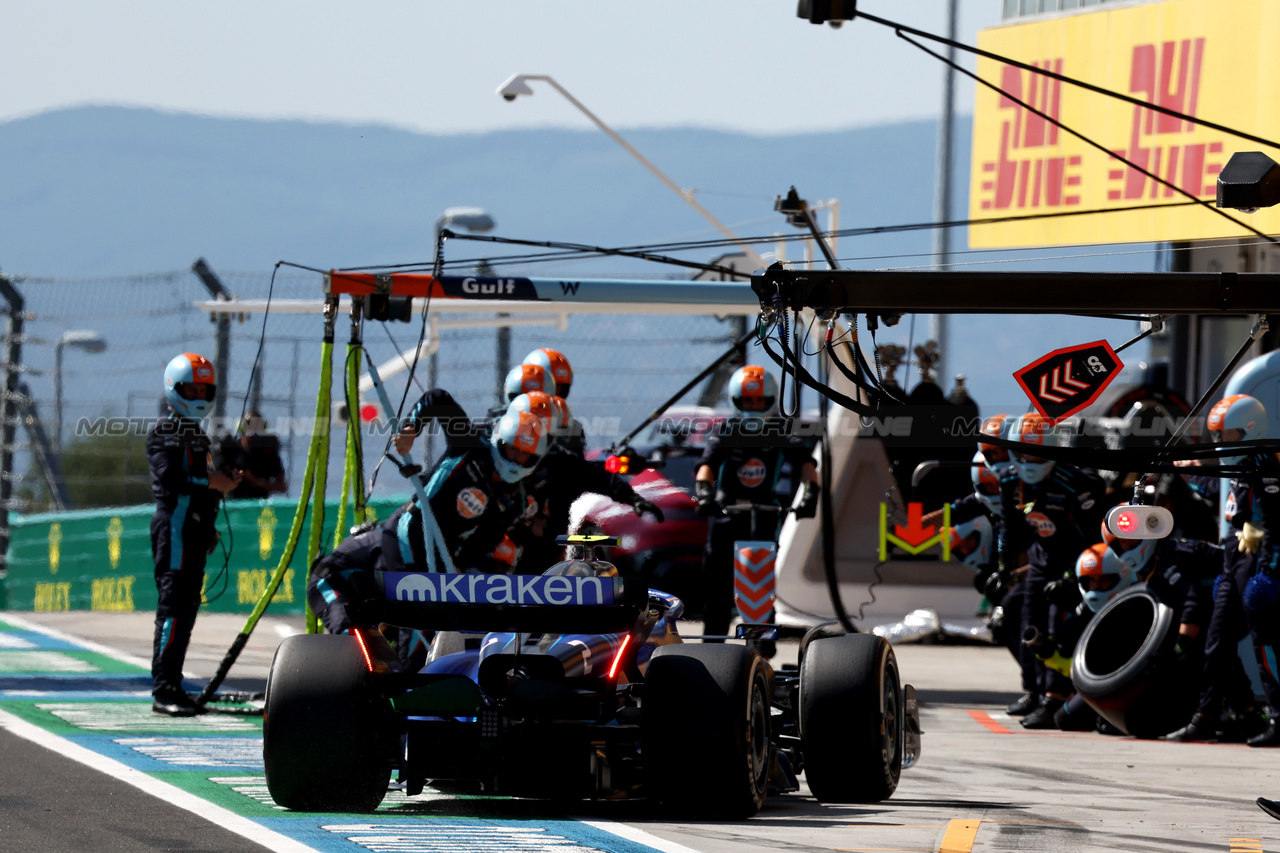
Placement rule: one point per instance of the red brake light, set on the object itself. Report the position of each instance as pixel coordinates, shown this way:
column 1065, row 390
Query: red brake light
column 617, row 658
column 364, row 648
column 618, row 464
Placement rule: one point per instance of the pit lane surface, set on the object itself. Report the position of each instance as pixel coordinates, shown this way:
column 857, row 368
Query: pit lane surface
column 983, row 784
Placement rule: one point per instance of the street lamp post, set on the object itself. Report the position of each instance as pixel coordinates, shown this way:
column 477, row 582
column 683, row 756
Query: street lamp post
column 518, row 84
column 81, row 339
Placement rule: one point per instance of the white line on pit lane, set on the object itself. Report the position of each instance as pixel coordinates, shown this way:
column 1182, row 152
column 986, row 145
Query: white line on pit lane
column 224, row 818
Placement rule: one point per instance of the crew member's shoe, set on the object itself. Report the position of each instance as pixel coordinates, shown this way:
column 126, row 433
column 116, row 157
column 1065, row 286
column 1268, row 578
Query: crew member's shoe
column 1269, row 737
column 1023, row 705
column 1042, row 717
column 1271, row 807
column 174, row 702
column 1201, row 728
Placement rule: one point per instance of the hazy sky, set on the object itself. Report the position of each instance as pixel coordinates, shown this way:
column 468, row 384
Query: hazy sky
column 745, row 65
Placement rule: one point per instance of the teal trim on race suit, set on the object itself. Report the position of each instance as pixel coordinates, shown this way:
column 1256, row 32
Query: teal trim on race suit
column 176, row 521
column 326, row 591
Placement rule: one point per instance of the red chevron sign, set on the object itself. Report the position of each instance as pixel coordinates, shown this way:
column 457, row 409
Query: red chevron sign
column 754, row 582
column 1067, row 380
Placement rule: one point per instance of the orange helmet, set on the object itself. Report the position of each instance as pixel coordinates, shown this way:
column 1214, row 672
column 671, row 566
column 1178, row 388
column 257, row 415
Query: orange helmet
column 524, row 378
column 1031, row 428
column 190, row 385
column 996, row 426
column 539, row 405
column 556, row 366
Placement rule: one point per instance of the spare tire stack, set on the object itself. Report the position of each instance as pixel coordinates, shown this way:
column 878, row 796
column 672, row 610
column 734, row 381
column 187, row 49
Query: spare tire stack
column 1125, row 666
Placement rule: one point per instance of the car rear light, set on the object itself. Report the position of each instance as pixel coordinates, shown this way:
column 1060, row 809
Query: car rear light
column 618, row 464
column 617, row 658
column 364, row 648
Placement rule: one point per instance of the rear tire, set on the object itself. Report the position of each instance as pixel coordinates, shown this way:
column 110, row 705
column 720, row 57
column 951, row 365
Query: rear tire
column 325, row 732
column 851, row 719
column 706, row 722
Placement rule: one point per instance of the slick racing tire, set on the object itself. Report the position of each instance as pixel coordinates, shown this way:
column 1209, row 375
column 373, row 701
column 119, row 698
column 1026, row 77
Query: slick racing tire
column 1124, row 666
column 324, row 730
column 705, row 719
column 851, row 719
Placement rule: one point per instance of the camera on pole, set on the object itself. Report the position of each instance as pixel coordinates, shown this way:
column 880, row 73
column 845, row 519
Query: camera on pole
column 833, row 12
column 1250, row 180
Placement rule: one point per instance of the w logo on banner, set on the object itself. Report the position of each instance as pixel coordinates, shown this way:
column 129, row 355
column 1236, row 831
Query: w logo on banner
column 754, row 581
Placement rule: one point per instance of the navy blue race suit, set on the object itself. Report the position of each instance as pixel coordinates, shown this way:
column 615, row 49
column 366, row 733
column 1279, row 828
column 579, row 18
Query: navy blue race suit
column 1052, row 521
column 1009, row 591
column 182, row 533
column 559, row 480
column 1255, row 499
column 746, row 458
column 472, row 507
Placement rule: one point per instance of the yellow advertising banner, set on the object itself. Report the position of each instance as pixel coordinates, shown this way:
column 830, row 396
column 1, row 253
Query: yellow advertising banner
column 1208, row 59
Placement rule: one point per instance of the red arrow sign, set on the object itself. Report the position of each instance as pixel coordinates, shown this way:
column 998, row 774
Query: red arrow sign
column 1067, row 380
column 915, row 532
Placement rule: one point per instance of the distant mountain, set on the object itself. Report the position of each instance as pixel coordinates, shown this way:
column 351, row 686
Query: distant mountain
column 109, row 190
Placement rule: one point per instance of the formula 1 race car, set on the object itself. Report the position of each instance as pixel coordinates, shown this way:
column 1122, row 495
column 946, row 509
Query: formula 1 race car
column 582, row 688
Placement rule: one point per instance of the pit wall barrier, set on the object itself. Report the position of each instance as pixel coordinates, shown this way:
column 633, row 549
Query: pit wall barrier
column 101, row 559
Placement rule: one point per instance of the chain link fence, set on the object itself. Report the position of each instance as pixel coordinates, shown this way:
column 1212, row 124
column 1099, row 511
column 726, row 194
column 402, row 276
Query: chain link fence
column 94, row 352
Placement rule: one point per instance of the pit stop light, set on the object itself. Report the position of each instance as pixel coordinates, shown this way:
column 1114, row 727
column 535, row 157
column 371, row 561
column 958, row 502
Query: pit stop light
column 1139, row 522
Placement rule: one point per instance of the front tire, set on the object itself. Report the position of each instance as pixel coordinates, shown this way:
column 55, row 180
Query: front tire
column 706, row 723
column 851, row 718
column 324, row 729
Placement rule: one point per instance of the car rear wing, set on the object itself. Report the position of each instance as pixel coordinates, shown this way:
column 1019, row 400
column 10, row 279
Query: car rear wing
column 553, row 604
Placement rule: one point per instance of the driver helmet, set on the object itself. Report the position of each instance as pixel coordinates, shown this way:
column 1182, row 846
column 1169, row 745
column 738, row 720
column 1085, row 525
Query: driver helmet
column 754, row 392
column 517, row 444
column 1134, row 552
column 583, row 569
column 539, row 405
column 985, row 484
column 524, row 378
column 996, row 458
column 1101, row 575
column 1031, row 428
column 1237, row 418
column 557, row 368
column 190, row 385
column 974, row 539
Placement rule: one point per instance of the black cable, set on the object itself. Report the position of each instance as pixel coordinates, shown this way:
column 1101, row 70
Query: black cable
column 1090, row 142
column 1133, row 341
column 400, row 353
column 900, row 28
column 224, row 572
column 262, row 339
column 422, row 334
column 587, row 253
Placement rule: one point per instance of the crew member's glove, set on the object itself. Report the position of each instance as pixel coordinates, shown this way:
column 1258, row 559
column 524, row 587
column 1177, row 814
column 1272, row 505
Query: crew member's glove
column 1063, row 592
column 1261, row 592
column 1250, row 538
column 808, row 506
column 705, row 490
column 641, row 506
column 996, row 587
